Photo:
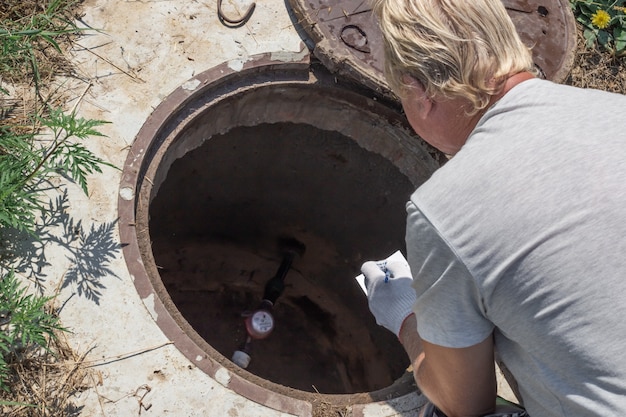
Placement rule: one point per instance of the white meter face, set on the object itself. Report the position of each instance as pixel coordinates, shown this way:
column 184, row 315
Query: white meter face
column 262, row 322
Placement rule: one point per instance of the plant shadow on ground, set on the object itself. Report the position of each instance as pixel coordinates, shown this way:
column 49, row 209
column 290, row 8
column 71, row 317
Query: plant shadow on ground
column 89, row 251
column 45, row 381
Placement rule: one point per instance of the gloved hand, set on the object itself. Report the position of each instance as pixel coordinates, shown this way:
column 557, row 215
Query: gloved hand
column 390, row 302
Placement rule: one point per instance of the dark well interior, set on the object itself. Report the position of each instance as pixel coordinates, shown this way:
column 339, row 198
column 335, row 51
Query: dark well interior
column 215, row 225
column 278, row 154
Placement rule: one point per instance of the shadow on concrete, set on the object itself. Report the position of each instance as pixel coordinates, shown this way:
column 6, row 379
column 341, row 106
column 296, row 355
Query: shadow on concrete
column 89, row 251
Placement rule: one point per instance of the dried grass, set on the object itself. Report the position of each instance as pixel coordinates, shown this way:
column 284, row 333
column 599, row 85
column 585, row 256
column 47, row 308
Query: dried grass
column 597, row 69
column 24, row 100
column 43, row 382
column 15, row 14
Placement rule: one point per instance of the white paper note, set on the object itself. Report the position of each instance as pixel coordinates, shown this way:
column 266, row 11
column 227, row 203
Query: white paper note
column 382, row 264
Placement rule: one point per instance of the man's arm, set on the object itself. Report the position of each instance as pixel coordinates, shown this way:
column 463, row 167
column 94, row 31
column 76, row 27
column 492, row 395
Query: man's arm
column 459, row 381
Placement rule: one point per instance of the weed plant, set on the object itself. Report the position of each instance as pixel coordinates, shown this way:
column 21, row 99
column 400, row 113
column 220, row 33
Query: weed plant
column 28, row 160
column 604, row 24
column 26, row 324
column 48, row 142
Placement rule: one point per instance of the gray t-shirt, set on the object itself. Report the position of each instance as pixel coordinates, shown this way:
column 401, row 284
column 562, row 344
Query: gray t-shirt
column 523, row 234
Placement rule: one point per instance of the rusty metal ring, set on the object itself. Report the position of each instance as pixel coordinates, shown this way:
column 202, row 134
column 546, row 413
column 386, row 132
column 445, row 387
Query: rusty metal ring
column 365, row 49
column 235, row 22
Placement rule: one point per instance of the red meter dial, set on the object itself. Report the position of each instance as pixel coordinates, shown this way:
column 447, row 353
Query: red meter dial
column 260, row 324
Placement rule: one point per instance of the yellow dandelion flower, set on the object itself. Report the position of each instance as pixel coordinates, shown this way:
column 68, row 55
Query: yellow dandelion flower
column 600, row 19
column 620, row 9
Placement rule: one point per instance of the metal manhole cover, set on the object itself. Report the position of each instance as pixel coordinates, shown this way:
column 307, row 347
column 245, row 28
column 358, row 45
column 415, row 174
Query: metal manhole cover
column 349, row 43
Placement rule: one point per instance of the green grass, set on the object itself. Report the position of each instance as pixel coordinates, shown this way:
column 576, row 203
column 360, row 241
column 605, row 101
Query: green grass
column 27, row 34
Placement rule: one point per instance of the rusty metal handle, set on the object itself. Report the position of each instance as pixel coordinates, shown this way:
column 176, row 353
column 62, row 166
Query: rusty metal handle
column 236, row 22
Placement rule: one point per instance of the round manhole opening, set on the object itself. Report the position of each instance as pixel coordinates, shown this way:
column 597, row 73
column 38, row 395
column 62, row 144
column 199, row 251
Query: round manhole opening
column 217, row 226
column 223, row 175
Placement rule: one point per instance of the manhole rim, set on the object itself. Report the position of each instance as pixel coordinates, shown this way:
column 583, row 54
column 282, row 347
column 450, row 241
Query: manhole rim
column 155, row 299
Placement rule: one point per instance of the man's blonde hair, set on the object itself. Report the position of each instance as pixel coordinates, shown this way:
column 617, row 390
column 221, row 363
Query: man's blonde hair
column 456, row 48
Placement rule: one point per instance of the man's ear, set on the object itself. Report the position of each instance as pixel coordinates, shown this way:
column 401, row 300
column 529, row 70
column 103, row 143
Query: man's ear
column 416, row 93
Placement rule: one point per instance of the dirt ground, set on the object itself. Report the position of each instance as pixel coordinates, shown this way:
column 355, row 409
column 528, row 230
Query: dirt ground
column 597, row 69
column 318, row 345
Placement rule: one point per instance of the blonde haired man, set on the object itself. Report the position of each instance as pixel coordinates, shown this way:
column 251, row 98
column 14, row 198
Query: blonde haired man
column 518, row 243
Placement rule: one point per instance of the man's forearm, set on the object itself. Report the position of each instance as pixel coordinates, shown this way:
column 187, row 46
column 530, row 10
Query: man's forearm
column 458, row 381
column 412, row 343
column 410, row 338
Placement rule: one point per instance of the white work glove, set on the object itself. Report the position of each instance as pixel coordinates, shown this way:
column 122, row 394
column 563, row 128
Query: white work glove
column 390, row 302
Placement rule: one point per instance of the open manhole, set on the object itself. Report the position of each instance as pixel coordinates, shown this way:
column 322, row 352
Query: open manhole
column 217, row 225
column 231, row 165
